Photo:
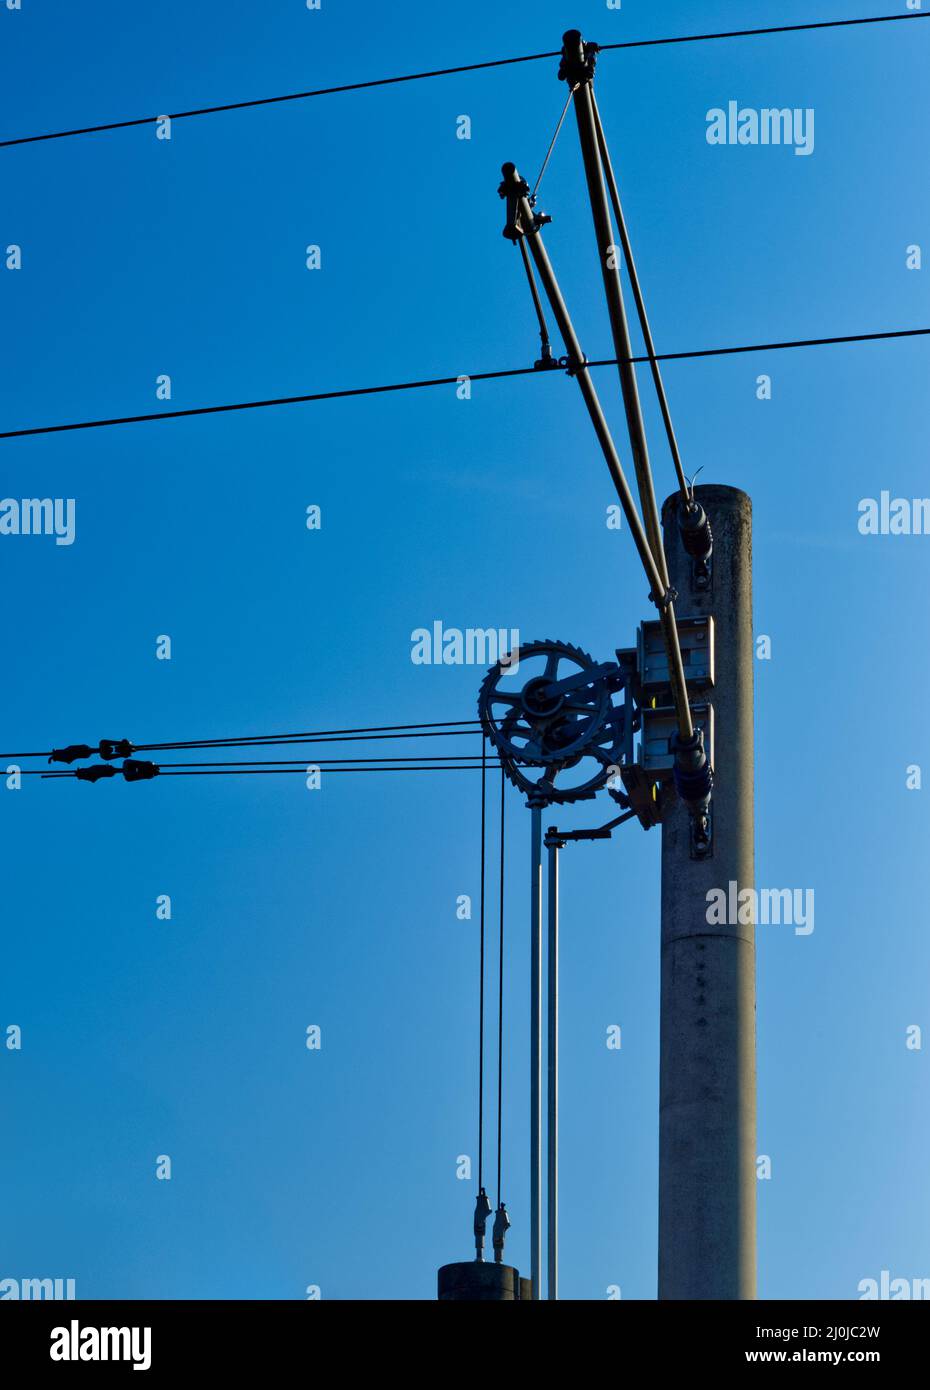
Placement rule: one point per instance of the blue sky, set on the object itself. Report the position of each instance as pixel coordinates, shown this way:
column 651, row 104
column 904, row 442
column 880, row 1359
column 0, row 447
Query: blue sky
column 337, row 908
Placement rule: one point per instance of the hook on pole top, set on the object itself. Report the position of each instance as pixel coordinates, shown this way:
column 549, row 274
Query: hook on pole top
column 578, row 59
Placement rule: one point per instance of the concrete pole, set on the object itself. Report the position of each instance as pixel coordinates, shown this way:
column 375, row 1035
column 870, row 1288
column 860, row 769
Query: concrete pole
column 707, row 1083
column 476, row 1282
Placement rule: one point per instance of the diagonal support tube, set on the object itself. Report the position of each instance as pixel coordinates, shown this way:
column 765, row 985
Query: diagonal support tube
column 635, row 286
column 577, row 69
column 524, row 224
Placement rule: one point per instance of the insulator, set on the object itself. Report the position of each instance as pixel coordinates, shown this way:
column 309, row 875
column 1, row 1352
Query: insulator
column 696, row 535
column 94, row 773
column 138, row 770
column 694, row 786
column 693, row 774
column 71, row 753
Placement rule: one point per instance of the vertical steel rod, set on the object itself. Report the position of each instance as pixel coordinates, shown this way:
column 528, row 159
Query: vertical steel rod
column 552, row 1158
column 535, row 1048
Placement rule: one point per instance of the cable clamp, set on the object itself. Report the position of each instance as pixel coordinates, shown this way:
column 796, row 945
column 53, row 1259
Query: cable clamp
column 482, row 1212
column 572, row 367
column 664, row 601
column 514, row 189
column 115, row 748
column 499, row 1233
column 547, row 362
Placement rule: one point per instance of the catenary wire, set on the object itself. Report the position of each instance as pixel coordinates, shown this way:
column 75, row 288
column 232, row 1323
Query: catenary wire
column 260, row 771
column 435, row 729
column 454, row 380
column 447, row 72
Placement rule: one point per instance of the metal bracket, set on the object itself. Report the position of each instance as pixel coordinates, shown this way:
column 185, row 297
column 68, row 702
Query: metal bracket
column 557, row 839
column 702, row 835
column 702, row 575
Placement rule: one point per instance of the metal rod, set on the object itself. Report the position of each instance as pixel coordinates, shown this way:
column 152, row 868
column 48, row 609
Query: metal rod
column 586, row 385
column 537, row 303
column 573, row 52
column 552, row 1158
column 535, row 1047
column 625, row 242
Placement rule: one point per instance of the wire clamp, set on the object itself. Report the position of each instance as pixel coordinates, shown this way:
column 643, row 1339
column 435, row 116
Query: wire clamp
column 547, row 362
column 664, row 601
column 482, row 1212
column 514, row 189
column 115, row 748
column 499, row 1233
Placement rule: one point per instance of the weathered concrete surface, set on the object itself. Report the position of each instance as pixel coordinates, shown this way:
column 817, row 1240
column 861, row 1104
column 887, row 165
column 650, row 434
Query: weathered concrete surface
column 707, row 1085
column 476, row 1281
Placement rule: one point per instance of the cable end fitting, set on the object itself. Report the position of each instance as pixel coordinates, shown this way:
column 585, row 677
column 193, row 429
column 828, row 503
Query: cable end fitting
column 482, row 1212
column 94, row 773
column 71, row 753
column 499, row 1233
column 513, row 188
column 578, row 59
column 138, row 770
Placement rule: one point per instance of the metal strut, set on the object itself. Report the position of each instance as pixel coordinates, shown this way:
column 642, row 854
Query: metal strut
column 546, row 362
column 552, row 1126
column 693, row 773
column 523, row 222
column 535, row 1043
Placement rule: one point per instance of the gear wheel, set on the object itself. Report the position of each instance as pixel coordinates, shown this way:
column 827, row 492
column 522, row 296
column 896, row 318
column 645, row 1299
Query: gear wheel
column 558, row 721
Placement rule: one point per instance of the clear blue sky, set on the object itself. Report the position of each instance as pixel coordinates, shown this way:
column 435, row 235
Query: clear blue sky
column 337, row 908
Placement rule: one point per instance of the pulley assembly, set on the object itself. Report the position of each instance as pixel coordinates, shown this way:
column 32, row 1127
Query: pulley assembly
column 559, row 735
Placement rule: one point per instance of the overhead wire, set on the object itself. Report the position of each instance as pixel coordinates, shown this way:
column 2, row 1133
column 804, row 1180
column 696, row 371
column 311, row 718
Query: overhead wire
column 223, row 771
column 435, row 729
column 395, row 80
column 456, row 380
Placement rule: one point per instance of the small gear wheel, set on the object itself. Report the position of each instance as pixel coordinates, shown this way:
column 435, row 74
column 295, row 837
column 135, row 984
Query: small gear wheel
column 558, row 720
